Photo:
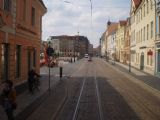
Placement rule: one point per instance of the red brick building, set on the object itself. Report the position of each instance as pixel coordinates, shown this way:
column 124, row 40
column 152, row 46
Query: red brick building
column 20, row 38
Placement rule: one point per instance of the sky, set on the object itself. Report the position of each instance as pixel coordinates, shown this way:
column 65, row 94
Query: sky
column 73, row 17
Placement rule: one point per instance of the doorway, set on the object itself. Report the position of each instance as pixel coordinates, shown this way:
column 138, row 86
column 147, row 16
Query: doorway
column 142, row 61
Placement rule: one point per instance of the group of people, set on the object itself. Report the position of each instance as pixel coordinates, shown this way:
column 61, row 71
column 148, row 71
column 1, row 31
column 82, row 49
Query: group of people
column 8, row 95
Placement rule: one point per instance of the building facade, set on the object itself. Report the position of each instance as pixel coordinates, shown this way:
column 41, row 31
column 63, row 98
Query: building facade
column 143, row 35
column 103, row 44
column 127, row 50
column 120, row 36
column 157, row 41
column 111, row 40
column 69, row 46
column 20, row 38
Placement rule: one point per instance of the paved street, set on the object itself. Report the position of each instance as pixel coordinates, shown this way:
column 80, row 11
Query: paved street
column 121, row 96
column 94, row 90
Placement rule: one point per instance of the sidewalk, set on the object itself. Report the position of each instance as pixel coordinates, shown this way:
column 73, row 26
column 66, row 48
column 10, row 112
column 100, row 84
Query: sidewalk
column 148, row 79
column 28, row 102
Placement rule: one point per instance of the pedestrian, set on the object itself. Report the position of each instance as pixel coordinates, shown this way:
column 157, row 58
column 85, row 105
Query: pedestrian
column 32, row 76
column 9, row 99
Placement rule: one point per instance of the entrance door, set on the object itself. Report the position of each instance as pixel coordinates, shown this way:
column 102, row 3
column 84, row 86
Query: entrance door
column 142, row 61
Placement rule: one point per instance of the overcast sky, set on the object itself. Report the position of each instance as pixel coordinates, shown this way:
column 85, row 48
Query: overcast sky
column 67, row 17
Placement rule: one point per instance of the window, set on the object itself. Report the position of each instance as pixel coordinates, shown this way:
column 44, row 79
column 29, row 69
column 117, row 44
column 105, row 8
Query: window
column 152, row 29
column 24, row 10
column 40, row 23
column 151, row 5
column 151, row 60
column 147, row 31
column 4, row 61
column 141, row 35
column 144, row 30
column 141, row 14
column 147, row 7
column 33, row 17
column 144, row 14
column 18, row 60
column 7, row 5
column 147, row 59
column 136, row 37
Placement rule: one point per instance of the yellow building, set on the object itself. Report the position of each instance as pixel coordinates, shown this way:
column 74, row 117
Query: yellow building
column 120, row 36
column 143, row 35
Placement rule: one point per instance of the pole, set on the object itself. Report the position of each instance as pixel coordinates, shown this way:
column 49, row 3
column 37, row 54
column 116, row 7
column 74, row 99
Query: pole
column 74, row 50
column 130, row 60
column 49, row 84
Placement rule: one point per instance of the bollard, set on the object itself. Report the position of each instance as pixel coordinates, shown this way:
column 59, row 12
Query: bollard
column 60, row 72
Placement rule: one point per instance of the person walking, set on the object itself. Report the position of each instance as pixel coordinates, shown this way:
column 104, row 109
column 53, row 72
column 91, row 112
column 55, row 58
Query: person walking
column 9, row 99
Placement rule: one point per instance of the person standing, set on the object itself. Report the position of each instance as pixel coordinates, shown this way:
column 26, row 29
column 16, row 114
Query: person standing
column 9, row 99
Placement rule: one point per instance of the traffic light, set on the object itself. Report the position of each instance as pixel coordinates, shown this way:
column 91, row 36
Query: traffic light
column 49, row 51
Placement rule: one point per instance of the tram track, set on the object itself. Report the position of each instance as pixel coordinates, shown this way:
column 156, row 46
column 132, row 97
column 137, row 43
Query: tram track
column 88, row 97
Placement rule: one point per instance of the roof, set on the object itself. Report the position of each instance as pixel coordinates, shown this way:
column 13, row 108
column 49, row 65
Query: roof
column 137, row 2
column 123, row 22
column 66, row 37
column 41, row 1
column 112, row 27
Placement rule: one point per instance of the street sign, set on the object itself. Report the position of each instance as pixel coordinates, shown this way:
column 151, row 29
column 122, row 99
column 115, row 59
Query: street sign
column 49, row 51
